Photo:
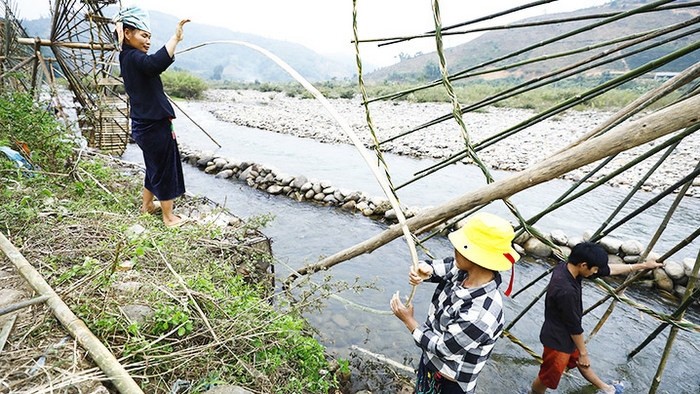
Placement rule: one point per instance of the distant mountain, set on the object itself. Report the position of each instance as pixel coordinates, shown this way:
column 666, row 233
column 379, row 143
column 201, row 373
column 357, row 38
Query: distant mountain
column 498, row 43
column 228, row 61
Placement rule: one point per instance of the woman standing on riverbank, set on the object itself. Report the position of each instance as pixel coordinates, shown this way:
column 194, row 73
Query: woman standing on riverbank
column 151, row 113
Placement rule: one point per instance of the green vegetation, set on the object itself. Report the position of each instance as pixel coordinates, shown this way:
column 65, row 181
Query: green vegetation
column 183, row 84
column 469, row 93
column 213, row 317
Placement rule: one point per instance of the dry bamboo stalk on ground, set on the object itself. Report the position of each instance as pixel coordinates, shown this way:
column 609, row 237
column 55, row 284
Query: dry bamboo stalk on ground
column 97, row 351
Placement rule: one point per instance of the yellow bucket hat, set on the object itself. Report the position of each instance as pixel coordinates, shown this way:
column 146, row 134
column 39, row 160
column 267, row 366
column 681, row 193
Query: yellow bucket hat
column 486, row 240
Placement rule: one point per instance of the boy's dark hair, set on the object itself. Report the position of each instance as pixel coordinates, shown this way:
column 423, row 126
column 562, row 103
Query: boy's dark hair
column 589, row 252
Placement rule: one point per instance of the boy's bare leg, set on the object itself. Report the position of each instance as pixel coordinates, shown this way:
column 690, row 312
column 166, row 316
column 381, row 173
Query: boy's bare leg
column 538, row 387
column 590, row 376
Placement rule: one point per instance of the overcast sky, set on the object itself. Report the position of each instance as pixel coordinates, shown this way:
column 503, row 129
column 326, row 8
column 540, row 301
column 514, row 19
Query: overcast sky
column 326, row 25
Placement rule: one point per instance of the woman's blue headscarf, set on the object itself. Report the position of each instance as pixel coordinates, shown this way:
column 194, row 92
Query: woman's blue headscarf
column 134, row 16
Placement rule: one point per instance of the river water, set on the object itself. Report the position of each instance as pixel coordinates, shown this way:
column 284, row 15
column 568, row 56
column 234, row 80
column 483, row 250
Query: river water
column 302, row 233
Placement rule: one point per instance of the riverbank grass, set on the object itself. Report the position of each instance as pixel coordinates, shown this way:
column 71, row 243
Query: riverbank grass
column 190, row 306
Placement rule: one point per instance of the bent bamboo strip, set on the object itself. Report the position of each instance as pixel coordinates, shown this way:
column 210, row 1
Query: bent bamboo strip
column 623, row 137
column 97, row 351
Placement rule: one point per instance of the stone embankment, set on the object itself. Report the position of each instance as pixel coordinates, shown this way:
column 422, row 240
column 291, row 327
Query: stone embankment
column 672, row 278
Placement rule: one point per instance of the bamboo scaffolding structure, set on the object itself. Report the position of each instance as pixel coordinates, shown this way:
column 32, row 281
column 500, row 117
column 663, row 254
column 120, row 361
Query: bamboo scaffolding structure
column 633, row 279
column 676, row 314
column 458, row 156
column 650, row 246
column 563, row 199
column 572, row 102
column 485, row 18
column 97, row 351
column 675, row 117
column 446, row 30
column 531, row 47
column 644, row 101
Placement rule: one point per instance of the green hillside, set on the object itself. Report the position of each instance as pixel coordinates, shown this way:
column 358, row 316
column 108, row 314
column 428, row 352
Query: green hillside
column 498, row 43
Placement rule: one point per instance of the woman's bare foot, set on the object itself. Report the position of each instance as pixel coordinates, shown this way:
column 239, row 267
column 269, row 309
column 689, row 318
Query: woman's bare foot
column 151, row 208
column 175, row 221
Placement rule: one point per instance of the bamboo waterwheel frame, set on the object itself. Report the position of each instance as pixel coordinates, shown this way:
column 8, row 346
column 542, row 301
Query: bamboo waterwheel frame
column 82, row 53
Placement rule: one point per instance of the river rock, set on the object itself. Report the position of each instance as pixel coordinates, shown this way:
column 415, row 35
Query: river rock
column 565, row 251
column 688, row 265
column 674, row 270
column 522, row 238
column 679, row 291
column 130, row 287
column 341, row 321
column 228, row 390
column 274, row 189
column 204, row 160
column 631, row 259
column 306, row 187
column 220, row 162
column 587, row 235
column 309, row 194
column 632, row 247
column 245, row 174
column 138, row 313
column 537, row 248
column 349, row 206
column 330, row 199
column 573, row 241
column 559, row 237
column 134, row 231
column 299, row 182
column 611, row 244
column 662, row 280
column 615, row 259
column 224, row 174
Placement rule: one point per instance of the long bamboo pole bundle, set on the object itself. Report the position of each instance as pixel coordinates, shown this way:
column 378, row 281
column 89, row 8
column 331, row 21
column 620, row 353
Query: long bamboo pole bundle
column 555, row 110
column 540, row 44
column 510, row 26
column 623, row 137
column 97, row 351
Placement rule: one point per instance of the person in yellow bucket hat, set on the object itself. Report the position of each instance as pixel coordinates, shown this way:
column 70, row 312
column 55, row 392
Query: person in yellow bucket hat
column 465, row 317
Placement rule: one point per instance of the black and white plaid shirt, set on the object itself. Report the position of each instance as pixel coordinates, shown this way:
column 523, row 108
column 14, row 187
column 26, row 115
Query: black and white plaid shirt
column 462, row 325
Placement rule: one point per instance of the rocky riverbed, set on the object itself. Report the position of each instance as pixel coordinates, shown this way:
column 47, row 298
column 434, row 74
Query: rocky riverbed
column 307, row 118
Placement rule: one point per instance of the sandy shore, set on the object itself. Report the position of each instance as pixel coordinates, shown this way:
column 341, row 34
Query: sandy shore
column 308, row 118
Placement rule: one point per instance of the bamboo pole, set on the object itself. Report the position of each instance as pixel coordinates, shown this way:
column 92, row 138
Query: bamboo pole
column 533, row 46
column 22, row 304
column 97, row 351
column 510, row 26
column 71, row 45
column 674, row 330
column 675, row 117
column 380, row 176
column 683, row 243
column 650, row 246
column 591, row 93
